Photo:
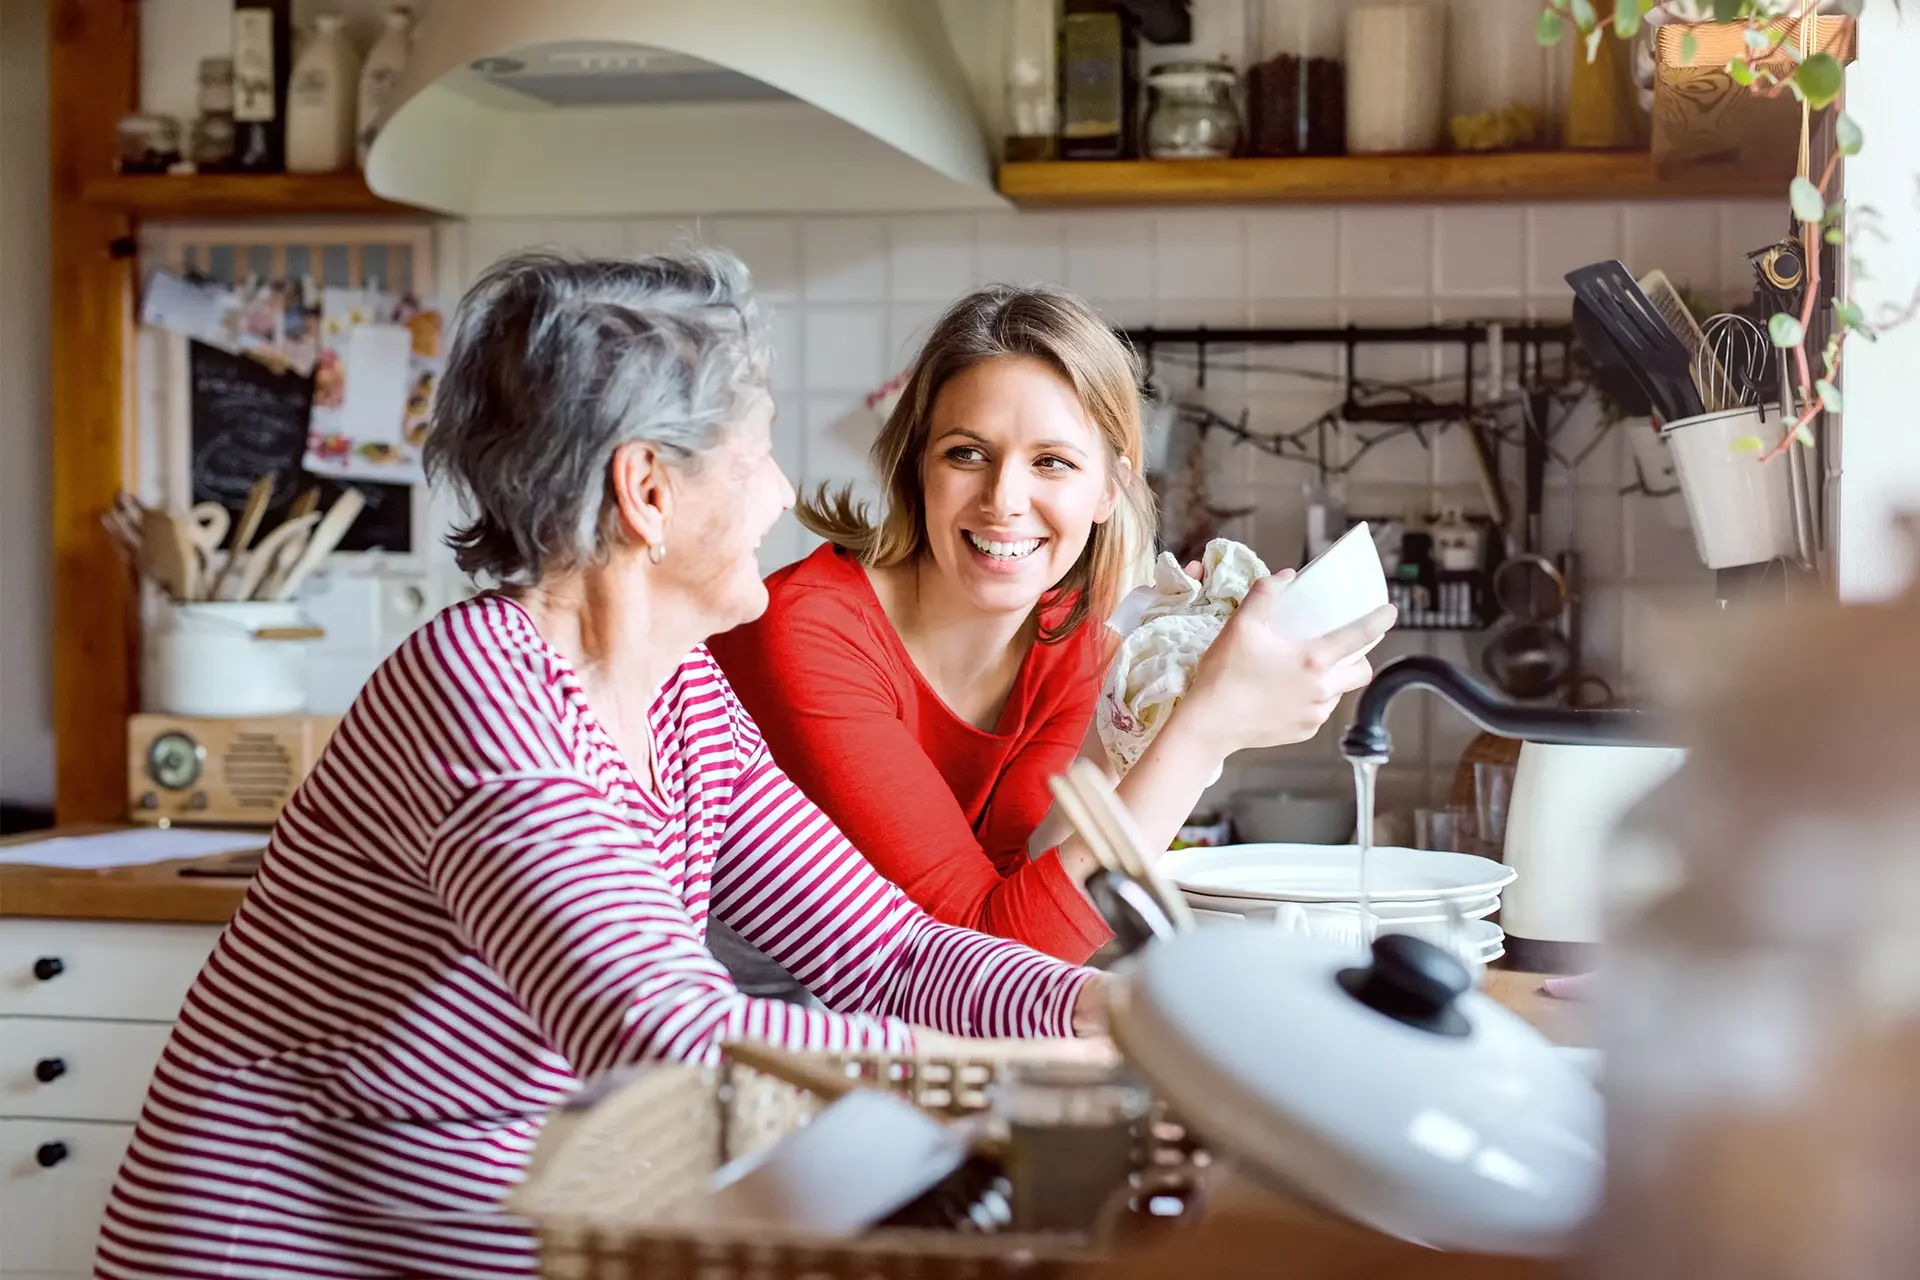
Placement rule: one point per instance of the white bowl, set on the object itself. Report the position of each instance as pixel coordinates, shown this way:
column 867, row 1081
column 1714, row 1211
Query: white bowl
column 1280, row 818
column 1342, row 584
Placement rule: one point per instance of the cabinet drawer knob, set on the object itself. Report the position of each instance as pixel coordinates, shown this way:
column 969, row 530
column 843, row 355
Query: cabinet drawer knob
column 47, row 968
column 47, row 1070
column 49, row 1154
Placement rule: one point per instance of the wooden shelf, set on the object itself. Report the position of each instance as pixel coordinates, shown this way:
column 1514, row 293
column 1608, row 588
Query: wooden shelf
column 1517, row 175
column 239, row 195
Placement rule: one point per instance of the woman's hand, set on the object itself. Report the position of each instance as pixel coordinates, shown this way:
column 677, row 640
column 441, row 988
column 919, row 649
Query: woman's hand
column 1256, row 688
column 1090, row 1008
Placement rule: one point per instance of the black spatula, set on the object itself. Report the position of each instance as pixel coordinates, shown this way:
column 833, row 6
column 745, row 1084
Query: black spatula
column 1641, row 336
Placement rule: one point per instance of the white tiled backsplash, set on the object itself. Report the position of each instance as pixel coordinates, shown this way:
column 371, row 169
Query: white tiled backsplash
column 852, row 297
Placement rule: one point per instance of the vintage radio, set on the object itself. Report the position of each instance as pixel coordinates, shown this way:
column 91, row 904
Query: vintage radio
column 207, row 771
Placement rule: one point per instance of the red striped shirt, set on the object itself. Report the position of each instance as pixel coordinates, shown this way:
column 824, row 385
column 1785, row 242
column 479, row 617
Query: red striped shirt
column 469, row 907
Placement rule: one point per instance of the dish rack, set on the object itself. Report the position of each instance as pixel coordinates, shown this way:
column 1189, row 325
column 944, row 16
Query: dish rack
column 611, row 1168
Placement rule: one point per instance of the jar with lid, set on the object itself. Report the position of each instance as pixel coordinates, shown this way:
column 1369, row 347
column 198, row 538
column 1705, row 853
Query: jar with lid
column 147, row 143
column 210, row 146
column 1191, row 111
column 1033, row 101
column 1297, row 86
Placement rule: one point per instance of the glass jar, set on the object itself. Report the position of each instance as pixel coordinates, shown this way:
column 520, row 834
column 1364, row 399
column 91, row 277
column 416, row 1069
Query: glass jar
column 1297, row 86
column 211, row 145
column 1191, row 112
column 1033, row 100
column 1073, row 1130
column 147, row 143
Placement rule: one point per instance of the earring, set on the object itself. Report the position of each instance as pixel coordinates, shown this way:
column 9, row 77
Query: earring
column 656, row 552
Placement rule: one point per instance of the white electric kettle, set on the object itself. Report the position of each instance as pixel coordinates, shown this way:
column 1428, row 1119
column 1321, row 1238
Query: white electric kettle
column 1561, row 817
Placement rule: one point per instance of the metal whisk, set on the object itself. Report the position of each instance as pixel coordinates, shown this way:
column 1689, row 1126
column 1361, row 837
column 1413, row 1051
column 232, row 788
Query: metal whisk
column 1731, row 368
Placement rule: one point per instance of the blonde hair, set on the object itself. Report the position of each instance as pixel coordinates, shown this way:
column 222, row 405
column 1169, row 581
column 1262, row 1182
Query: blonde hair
column 995, row 323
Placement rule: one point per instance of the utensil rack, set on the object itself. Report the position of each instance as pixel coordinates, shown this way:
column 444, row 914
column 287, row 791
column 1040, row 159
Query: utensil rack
column 1470, row 336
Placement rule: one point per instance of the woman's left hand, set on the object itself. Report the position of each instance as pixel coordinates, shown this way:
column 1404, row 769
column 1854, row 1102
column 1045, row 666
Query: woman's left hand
column 1090, row 1008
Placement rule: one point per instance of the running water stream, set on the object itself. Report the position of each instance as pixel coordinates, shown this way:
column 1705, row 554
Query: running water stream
column 1365, row 773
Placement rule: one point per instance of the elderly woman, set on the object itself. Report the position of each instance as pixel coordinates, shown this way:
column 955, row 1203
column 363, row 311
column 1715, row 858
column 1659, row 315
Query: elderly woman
column 497, row 880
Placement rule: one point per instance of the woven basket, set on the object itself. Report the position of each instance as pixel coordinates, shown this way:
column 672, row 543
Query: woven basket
column 610, row 1172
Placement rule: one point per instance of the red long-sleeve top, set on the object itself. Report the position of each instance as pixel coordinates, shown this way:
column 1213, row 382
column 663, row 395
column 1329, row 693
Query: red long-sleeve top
column 941, row 808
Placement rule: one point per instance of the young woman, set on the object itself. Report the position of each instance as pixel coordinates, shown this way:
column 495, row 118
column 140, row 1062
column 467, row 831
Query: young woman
column 923, row 675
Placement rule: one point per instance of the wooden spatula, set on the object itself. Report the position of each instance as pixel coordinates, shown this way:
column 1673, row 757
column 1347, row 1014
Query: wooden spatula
column 169, row 552
column 326, row 536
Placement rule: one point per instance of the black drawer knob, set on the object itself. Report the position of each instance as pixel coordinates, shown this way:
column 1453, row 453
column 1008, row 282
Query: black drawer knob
column 49, row 1154
column 47, row 1070
column 47, row 968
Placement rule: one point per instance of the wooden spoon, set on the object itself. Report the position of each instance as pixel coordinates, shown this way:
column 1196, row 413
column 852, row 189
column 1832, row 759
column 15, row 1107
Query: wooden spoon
column 326, row 536
column 243, row 531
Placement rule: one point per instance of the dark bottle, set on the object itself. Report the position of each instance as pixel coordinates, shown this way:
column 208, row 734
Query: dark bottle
column 262, row 58
column 1099, row 81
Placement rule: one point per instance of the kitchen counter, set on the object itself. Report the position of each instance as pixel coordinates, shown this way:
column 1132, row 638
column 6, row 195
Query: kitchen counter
column 155, row 892
column 159, row 893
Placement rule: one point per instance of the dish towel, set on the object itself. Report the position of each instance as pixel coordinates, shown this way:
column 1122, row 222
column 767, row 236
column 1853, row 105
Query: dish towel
column 1167, row 626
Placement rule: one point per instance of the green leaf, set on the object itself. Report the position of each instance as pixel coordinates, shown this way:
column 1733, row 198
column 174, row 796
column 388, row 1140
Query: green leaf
column 1594, row 37
column 1738, row 71
column 1806, row 201
column 1726, row 10
column 1829, row 395
column 1747, row 444
column 1820, row 78
column 1626, row 19
column 1756, row 39
column 1561, row 5
column 1846, row 132
column 1549, row 28
column 1583, row 14
column 1689, row 45
column 1835, row 235
column 1793, row 87
column 1785, row 330
column 1849, row 314
column 1803, row 435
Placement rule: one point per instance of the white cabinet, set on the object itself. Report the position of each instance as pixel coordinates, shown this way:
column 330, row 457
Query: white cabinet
column 85, row 1010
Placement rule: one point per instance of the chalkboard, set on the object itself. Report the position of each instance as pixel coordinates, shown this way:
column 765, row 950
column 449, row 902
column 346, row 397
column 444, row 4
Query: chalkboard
column 248, row 421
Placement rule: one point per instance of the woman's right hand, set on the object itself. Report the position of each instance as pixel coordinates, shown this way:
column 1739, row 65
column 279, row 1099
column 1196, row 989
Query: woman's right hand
column 1256, row 688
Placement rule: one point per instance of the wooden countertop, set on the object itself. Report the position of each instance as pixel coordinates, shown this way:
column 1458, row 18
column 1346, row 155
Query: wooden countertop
column 158, row 892
column 154, row 892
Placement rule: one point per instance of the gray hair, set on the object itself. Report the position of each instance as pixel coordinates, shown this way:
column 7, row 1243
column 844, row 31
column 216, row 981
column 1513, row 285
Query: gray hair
column 554, row 363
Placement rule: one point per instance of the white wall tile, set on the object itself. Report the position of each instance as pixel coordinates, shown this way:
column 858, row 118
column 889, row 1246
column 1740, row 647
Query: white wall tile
column 1681, row 239
column 1200, row 255
column 789, row 370
column 933, row 259
column 1480, row 252
column 490, row 239
column 594, row 239
column 845, row 349
column 1110, row 257
column 1021, row 248
column 844, row 259
column 769, row 246
column 909, row 324
column 1562, row 237
column 652, row 235
column 1386, row 253
column 1293, row 253
column 840, row 432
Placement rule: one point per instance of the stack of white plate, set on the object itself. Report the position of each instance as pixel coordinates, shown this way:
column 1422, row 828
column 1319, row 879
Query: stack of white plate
column 1314, row 889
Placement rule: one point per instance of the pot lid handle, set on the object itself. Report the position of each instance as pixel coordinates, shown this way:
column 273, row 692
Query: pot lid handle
column 1414, row 982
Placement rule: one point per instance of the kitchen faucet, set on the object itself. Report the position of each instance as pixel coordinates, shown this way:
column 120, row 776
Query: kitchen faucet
column 1366, row 738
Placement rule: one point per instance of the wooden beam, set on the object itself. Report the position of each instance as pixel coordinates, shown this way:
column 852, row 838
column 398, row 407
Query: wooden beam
column 93, row 79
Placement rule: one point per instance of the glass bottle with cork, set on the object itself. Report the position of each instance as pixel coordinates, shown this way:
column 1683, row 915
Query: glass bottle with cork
column 262, row 61
column 1099, row 81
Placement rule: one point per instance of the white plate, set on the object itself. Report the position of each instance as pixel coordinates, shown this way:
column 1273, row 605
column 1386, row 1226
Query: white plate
column 1331, row 873
column 1413, row 911
column 1483, row 938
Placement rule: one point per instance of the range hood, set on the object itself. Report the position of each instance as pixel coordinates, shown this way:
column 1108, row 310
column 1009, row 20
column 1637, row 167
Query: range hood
column 610, row 108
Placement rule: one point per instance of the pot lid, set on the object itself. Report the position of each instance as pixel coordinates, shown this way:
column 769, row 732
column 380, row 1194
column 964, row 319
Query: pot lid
column 1381, row 1086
